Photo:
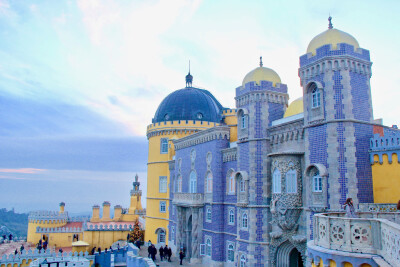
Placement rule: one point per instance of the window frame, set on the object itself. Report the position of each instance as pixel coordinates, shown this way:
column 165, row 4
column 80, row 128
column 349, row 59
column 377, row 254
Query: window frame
column 276, row 182
column 317, row 186
column 231, row 215
column 179, row 184
column 164, row 146
column 231, row 183
column 163, row 204
column 245, row 220
column 161, row 233
column 209, row 183
column 291, row 181
column 230, row 252
column 162, row 184
column 208, row 246
column 315, row 98
column 242, row 260
column 208, row 214
column 193, row 182
column 243, row 121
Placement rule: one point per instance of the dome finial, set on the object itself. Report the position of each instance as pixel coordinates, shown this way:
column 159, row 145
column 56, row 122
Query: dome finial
column 261, row 64
column 189, row 78
column 330, row 26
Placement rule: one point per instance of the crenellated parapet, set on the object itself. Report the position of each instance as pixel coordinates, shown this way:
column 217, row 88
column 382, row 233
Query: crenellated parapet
column 109, row 227
column 220, row 132
column 229, row 154
column 59, row 229
column 47, row 217
column 388, row 145
column 178, row 127
column 261, row 93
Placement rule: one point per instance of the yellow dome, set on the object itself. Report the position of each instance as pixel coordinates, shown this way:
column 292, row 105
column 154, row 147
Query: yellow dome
column 294, row 108
column 262, row 74
column 333, row 37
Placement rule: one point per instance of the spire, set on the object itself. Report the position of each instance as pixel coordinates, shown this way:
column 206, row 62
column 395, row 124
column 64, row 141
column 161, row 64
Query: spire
column 261, row 64
column 330, row 26
column 189, row 78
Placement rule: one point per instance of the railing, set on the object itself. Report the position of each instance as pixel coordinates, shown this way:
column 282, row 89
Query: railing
column 188, row 199
column 358, row 235
column 378, row 207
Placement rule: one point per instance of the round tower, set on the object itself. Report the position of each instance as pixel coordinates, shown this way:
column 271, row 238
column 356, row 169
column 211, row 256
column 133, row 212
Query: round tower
column 181, row 113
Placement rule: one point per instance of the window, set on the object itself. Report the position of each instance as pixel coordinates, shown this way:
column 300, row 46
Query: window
column 193, row 182
column 202, row 250
column 161, row 236
column 209, row 183
column 231, row 183
column 208, row 214
column 163, row 206
column 172, row 233
column 231, row 253
column 316, row 100
column 242, row 185
column 179, row 184
column 243, row 261
column 276, row 182
column 164, row 145
column 208, row 246
column 244, row 220
column 163, row 184
column 231, row 217
column 291, row 182
column 243, row 121
column 317, row 182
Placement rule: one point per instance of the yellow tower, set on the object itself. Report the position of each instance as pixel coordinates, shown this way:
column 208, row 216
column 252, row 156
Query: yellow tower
column 181, row 113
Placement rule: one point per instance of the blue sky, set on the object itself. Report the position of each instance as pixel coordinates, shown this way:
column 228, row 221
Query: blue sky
column 81, row 80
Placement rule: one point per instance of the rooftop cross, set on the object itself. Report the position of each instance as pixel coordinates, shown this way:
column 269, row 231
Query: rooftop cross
column 261, row 64
column 330, row 26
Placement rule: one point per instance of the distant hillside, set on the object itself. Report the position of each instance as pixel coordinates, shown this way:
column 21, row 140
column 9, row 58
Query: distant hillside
column 17, row 223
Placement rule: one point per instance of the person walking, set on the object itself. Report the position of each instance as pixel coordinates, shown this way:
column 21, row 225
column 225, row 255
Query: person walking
column 161, row 253
column 92, row 251
column 149, row 250
column 181, row 256
column 153, row 252
column 169, row 253
column 350, row 211
column 22, row 248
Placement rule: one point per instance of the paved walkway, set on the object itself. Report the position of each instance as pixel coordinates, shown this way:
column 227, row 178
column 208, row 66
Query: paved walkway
column 9, row 248
column 174, row 259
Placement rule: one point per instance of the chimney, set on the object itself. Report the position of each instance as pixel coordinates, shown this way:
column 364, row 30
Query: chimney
column 117, row 213
column 96, row 214
column 106, row 212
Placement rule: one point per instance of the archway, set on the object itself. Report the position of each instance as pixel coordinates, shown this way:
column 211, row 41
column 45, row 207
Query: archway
column 288, row 255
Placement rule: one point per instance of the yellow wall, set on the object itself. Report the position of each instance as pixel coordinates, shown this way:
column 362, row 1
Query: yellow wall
column 386, row 179
column 333, row 264
column 231, row 121
column 34, row 237
column 103, row 239
column 157, row 165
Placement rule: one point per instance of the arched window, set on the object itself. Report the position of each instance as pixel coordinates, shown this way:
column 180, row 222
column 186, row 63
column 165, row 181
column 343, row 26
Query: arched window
column 209, row 214
column 209, row 183
column 231, row 183
column 244, row 220
column 316, row 98
column 208, row 247
column 242, row 185
column 179, row 184
column 276, row 182
column 317, row 182
column 161, row 236
column 243, row 261
column 291, row 181
column 164, row 145
column 243, row 121
column 231, row 253
column 193, row 182
column 231, row 216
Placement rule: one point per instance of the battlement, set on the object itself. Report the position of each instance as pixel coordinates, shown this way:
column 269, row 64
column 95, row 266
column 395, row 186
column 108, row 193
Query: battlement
column 109, row 227
column 180, row 123
column 28, row 256
column 59, row 229
column 327, row 51
column 229, row 111
column 48, row 216
column 264, row 86
column 390, row 141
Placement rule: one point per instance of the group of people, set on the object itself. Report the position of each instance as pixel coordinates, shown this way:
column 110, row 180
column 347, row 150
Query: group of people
column 10, row 237
column 165, row 252
column 22, row 248
column 41, row 245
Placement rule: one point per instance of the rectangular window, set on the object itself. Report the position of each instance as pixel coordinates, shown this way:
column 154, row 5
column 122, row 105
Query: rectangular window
column 243, row 121
column 202, row 249
column 291, row 182
column 231, row 217
column 163, row 206
column 164, row 145
column 163, row 184
column 317, row 183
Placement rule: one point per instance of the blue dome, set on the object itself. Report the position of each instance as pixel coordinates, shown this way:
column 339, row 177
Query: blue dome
column 189, row 104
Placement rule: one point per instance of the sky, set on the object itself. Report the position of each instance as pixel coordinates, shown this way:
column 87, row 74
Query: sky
column 80, row 80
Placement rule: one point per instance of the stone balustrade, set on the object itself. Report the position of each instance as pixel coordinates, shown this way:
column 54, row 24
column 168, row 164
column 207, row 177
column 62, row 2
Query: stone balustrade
column 188, row 199
column 373, row 235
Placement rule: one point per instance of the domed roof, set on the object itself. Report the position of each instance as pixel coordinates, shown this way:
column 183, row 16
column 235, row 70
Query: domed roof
column 189, row 104
column 331, row 36
column 294, row 108
column 262, row 74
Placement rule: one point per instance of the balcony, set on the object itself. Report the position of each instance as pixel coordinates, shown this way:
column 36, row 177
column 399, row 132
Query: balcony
column 373, row 233
column 188, row 199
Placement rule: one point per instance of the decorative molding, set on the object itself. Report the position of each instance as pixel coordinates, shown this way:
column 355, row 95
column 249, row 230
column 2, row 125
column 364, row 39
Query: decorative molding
column 219, row 132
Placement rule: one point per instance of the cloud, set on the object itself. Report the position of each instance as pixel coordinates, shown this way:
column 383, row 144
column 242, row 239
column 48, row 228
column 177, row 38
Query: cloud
column 22, row 170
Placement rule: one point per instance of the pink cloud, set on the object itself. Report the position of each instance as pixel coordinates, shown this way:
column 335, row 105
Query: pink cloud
column 22, row 170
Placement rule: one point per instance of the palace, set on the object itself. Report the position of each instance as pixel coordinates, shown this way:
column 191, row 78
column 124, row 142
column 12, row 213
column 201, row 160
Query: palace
column 264, row 184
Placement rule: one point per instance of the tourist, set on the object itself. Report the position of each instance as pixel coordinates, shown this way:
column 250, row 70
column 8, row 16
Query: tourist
column 92, row 251
column 149, row 249
column 169, row 253
column 10, row 236
column 153, row 252
column 16, row 251
column 99, row 250
column 22, row 248
column 128, row 237
column 161, row 253
column 60, row 251
column 181, row 256
column 350, row 211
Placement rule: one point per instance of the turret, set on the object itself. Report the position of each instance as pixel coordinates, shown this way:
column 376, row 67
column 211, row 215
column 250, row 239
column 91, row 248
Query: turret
column 62, row 205
column 106, row 212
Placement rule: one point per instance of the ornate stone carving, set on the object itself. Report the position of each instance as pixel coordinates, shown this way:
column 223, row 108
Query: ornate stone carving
column 188, row 199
